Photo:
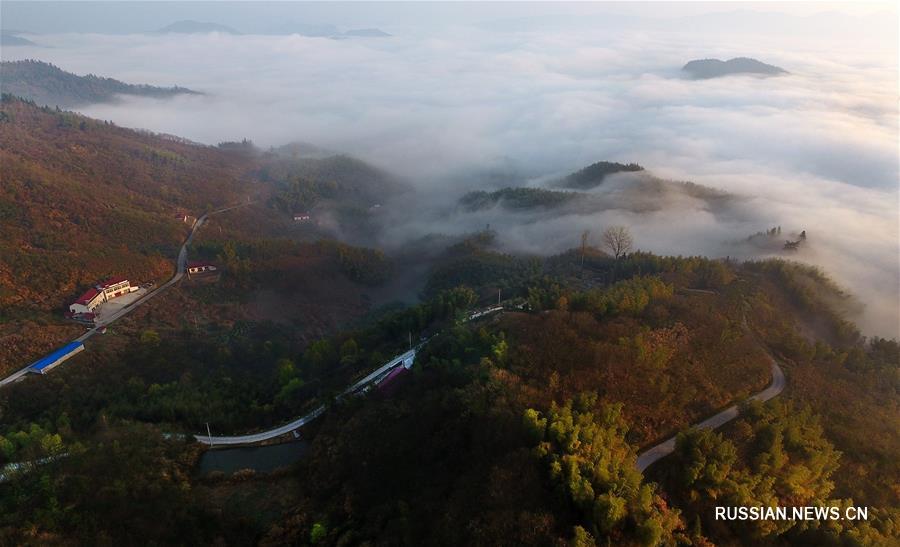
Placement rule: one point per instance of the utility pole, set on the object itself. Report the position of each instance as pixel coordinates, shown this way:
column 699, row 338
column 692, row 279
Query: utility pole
column 498, row 296
column 209, row 434
column 584, row 240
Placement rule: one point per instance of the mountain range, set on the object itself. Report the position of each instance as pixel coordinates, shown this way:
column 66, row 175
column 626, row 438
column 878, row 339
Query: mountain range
column 284, row 28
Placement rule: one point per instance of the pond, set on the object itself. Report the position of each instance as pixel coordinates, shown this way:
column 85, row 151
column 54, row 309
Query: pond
column 261, row 459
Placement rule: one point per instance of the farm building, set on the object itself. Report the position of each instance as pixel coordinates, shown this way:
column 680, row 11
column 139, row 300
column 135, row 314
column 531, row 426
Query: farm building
column 115, row 286
column 98, row 294
column 302, row 217
column 195, row 268
column 54, row 358
column 87, row 301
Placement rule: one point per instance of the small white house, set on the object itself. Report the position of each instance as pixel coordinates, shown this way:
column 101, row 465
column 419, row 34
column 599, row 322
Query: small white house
column 194, row 268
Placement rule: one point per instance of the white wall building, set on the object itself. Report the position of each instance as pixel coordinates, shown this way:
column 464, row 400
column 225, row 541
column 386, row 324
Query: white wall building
column 104, row 292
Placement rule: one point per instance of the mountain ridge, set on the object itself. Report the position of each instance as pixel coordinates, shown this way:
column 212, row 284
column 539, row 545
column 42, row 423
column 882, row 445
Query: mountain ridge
column 45, row 83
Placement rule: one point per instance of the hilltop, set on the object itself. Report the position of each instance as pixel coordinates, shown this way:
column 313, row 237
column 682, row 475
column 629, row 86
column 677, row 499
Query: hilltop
column 47, row 84
column 643, row 193
column 594, row 174
column 701, row 69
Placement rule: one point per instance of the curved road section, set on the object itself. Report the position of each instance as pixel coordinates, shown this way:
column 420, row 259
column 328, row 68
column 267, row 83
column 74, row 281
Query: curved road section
column 663, row 449
column 176, row 277
column 404, row 359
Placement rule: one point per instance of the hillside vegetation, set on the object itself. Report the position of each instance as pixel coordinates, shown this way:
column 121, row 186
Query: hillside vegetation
column 522, row 427
column 515, row 199
column 82, row 199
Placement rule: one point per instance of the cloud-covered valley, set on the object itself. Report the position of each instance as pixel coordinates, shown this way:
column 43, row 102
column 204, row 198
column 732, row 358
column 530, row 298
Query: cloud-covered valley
column 815, row 150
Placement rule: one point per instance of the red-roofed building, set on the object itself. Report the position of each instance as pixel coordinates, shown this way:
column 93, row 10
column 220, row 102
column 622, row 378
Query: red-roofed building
column 104, row 292
column 112, row 281
column 87, row 301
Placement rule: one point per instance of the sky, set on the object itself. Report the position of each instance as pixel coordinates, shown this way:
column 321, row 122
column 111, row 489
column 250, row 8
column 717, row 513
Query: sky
column 534, row 91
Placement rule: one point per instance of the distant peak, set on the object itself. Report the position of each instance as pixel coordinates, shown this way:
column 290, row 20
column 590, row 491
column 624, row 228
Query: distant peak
column 367, row 33
column 714, row 68
column 196, row 27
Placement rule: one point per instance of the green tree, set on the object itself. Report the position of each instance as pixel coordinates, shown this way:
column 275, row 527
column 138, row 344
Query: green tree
column 349, row 352
column 584, row 447
column 150, row 337
column 285, row 371
column 318, row 533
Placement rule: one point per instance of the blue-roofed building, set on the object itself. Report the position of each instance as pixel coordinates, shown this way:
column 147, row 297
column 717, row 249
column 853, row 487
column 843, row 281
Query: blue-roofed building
column 56, row 357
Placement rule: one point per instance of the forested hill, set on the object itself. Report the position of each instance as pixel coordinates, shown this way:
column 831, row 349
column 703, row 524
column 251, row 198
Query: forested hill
column 593, row 175
column 82, row 199
column 48, row 84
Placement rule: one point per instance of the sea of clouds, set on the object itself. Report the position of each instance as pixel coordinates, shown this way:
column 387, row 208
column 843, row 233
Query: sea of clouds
column 815, row 150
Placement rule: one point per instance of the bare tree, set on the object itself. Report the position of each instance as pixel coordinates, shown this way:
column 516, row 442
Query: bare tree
column 618, row 240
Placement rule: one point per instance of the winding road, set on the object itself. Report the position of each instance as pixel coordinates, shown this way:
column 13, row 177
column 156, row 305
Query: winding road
column 663, row 449
column 404, row 359
column 180, row 265
column 645, row 459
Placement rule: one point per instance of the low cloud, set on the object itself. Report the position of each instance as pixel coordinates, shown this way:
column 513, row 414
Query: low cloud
column 815, row 150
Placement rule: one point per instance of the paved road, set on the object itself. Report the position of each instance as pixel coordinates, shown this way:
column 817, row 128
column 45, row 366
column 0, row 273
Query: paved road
column 180, row 265
column 663, row 449
column 404, row 359
column 263, row 435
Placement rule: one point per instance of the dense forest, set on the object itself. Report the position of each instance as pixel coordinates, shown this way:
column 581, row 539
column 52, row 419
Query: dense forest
column 522, row 427
column 47, row 84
